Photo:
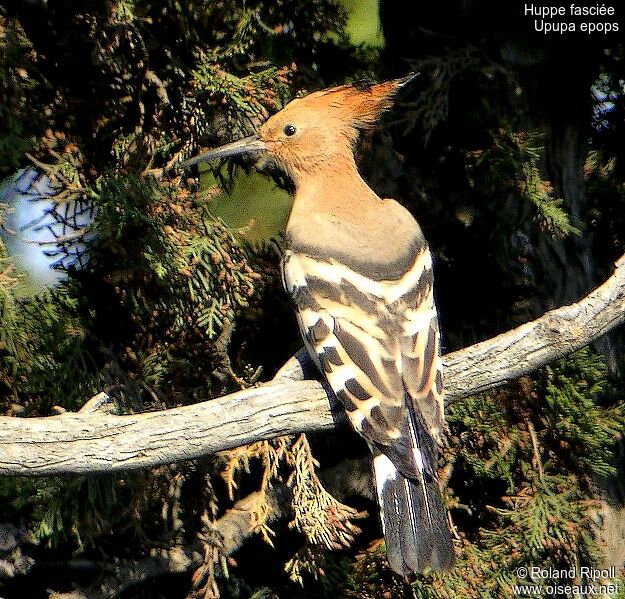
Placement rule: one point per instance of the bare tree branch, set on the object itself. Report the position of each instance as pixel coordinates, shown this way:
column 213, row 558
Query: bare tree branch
column 92, row 441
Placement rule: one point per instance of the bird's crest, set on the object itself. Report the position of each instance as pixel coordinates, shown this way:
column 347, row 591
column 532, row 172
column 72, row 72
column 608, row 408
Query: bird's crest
column 362, row 102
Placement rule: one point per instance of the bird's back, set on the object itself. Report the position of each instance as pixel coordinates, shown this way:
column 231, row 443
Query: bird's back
column 363, row 291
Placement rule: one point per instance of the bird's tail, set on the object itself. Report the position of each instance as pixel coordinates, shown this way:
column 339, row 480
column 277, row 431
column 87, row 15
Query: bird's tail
column 414, row 520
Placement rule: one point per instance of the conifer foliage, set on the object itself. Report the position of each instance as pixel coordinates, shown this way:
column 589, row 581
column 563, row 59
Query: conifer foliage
column 163, row 304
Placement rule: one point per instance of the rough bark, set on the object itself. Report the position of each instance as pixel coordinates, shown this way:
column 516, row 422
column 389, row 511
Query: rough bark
column 93, row 441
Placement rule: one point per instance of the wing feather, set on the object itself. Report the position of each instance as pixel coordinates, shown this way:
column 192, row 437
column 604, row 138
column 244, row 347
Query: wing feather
column 378, row 349
column 377, row 342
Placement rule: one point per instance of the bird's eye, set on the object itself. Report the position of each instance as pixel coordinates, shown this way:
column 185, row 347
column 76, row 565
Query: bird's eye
column 289, row 130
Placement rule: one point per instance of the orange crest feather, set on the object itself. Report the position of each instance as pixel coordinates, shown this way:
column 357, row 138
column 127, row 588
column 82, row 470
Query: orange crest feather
column 361, row 103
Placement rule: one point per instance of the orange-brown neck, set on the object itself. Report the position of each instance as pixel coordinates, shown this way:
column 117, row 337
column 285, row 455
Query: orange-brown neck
column 333, row 189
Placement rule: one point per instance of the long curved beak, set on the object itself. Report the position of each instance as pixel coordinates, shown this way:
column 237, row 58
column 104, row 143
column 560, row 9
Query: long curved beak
column 247, row 145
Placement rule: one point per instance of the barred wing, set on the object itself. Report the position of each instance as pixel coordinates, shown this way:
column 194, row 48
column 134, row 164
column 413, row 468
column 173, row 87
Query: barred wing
column 377, row 343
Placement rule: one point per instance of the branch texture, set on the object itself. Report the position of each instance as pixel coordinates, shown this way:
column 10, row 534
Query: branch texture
column 93, row 441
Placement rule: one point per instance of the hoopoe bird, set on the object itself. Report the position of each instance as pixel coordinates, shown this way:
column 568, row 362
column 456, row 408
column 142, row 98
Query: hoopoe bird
column 360, row 274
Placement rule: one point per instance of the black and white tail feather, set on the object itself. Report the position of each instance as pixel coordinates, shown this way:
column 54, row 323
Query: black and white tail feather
column 412, row 513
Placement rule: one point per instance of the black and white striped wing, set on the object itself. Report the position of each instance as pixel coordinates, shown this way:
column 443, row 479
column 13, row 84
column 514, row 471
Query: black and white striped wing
column 377, row 343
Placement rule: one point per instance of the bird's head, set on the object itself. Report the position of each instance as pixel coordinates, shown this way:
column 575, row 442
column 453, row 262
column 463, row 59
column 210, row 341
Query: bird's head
column 315, row 131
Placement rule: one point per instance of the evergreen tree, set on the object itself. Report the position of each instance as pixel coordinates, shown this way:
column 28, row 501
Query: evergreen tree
column 164, row 304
